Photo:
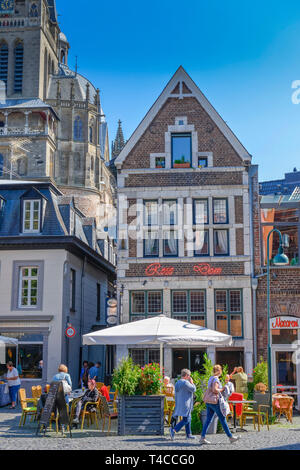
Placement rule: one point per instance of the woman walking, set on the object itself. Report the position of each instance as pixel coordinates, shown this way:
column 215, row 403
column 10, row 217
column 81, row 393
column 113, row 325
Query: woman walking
column 212, row 398
column 184, row 394
column 14, row 382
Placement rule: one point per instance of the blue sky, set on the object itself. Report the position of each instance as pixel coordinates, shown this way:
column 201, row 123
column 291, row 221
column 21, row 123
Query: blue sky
column 244, row 57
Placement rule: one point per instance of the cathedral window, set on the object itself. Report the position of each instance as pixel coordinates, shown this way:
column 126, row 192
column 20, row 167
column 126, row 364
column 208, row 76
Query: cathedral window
column 19, row 55
column 91, row 134
column 78, row 128
column 33, row 11
column 3, row 62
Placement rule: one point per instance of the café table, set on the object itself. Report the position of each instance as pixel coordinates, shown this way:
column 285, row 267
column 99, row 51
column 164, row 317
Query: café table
column 78, row 393
column 234, row 403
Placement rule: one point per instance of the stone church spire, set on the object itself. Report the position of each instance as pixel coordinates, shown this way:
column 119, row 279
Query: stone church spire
column 119, row 143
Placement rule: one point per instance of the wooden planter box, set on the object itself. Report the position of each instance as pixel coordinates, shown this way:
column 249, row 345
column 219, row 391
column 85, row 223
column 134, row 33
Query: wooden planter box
column 143, row 415
column 182, row 165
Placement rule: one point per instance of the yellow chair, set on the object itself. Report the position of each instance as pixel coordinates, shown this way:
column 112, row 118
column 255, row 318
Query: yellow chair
column 106, row 413
column 260, row 411
column 27, row 410
column 36, row 391
column 169, row 407
column 99, row 385
column 88, row 415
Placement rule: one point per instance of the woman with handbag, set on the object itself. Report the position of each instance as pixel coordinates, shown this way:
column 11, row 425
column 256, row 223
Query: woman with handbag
column 65, row 378
column 214, row 404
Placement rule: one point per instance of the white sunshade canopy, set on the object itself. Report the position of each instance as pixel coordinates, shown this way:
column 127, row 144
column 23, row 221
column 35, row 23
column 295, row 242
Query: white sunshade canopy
column 159, row 330
column 8, row 341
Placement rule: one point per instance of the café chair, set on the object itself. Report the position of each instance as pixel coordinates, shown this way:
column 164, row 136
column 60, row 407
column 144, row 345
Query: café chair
column 239, row 406
column 27, row 410
column 89, row 415
column 260, row 411
column 36, row 391
column 106, row 413
column 113, row 401
column 99, row 385
column 283, row 404
column 169, row 407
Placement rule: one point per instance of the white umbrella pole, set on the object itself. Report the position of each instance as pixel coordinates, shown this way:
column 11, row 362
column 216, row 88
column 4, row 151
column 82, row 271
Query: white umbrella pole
column 161, row 358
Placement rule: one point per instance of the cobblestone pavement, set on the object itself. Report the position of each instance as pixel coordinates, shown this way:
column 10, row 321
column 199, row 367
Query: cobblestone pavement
column 281, row 436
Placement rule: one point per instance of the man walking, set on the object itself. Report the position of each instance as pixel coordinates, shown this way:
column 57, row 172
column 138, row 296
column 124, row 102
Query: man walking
column 184, row 402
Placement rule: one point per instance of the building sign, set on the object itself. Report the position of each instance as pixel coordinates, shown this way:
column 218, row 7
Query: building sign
column 202, row 269
column 280, row 323
column 111, row 312
column 7, row 7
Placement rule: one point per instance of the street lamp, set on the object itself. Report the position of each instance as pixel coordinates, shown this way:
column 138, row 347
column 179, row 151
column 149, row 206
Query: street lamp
column 279, row 260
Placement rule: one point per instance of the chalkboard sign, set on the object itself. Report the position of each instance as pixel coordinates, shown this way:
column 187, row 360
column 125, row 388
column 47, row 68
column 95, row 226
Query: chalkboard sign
column 55, row 402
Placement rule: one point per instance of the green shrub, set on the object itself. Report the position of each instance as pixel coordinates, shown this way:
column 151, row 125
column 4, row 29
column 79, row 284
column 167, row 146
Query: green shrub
column 126, row 377
column 260, row 373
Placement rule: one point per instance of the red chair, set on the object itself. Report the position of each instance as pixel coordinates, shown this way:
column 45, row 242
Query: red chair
column 104, row 392
column 239, row 406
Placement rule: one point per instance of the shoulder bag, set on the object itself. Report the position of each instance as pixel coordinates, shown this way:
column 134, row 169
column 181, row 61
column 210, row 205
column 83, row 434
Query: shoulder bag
column 211, row 397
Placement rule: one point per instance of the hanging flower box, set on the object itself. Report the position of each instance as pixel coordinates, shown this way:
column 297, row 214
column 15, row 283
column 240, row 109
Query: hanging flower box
column 182, row 165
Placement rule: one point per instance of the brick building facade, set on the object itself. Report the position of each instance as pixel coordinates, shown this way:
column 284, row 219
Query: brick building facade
column 280, row 211
column 187, row 204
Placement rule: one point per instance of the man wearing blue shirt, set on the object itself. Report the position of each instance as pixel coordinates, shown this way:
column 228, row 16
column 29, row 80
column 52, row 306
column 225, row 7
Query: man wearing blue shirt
column 94, row 371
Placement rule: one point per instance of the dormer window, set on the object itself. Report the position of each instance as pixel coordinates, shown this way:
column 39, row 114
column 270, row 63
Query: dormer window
column 31, row 216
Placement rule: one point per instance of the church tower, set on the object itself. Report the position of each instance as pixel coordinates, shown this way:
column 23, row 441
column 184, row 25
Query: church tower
column 51, row 121
column 119, row 143
column 28, row 46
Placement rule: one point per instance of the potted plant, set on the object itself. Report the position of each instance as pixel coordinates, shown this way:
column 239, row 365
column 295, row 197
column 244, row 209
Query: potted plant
column 181, row 163
column 140, row 405
column 160, row 162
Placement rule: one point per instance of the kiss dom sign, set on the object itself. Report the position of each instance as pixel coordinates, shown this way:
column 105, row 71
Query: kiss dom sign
column 202, row 269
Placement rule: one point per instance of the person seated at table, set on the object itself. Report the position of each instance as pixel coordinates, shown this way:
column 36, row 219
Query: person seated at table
column 228, row 390
column 168, row 387
column 91, row 395
column 241, row 380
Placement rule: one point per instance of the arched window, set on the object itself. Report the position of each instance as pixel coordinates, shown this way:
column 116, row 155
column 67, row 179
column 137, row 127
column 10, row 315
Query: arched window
column 4, row 62
column 63, row 57
column 33, row 11
column 78, row 128
column 92, row 163
column 19, row 56
column 1, row 164
column 91, row 134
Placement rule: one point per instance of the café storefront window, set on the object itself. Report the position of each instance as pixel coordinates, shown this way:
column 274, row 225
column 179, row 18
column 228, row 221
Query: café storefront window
column 27, row 356
column 142, row 357
column 191, row 359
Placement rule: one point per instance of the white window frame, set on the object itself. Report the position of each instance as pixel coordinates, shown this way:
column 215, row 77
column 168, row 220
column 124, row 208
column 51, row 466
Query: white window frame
column 31, row 220
column 29, row 279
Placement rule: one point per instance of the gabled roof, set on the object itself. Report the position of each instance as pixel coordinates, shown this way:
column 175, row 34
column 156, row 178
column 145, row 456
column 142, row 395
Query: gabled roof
column 174, row 90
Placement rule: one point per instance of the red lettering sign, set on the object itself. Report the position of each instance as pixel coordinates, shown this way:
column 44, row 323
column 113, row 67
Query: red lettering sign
column 157, row 269
column 205, row 269
column 280, row 323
